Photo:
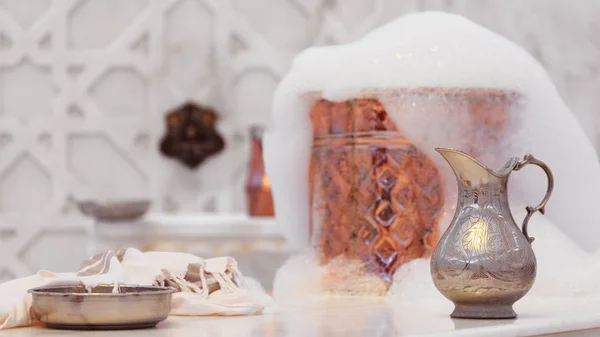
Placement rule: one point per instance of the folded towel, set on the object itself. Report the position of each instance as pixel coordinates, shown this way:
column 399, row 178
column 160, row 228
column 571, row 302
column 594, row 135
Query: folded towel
column 204, row 287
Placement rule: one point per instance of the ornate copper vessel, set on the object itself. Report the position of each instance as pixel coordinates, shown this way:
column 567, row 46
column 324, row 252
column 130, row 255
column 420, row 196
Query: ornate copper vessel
column 258, row 187
column 484, row 263
column 375, row 196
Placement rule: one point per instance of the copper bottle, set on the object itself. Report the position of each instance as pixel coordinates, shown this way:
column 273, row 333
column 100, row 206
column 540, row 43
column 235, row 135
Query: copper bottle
column 258, row 187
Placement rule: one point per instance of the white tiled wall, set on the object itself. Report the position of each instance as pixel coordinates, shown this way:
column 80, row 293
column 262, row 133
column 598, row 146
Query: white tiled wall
column 84, row 86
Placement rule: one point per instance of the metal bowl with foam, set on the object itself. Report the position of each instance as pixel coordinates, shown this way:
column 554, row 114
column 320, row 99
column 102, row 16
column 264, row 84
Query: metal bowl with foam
column 73, row 307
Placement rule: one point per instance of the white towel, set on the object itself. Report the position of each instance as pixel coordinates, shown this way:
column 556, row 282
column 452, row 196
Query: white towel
column 205, row 287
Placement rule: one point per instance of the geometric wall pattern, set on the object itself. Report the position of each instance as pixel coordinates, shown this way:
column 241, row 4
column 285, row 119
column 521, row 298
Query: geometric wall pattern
column 85, row 84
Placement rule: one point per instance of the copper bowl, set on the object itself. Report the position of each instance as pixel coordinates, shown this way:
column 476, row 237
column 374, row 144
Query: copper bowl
column 114, row 211
column 133, row 307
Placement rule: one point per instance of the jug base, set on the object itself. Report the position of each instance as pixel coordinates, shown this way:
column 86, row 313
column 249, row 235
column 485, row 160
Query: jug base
column 483, row 311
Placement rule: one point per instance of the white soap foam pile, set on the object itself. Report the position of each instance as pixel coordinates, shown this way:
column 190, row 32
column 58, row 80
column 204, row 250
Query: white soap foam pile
column 440, row 50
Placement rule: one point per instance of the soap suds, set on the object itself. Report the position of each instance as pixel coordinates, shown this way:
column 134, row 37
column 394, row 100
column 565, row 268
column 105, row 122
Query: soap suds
column 438, row 50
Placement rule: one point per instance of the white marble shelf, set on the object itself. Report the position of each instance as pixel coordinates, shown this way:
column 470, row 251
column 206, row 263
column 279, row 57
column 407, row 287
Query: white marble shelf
column 197, row 233
column 361, row 317
column 255, row 242
column 196, row 224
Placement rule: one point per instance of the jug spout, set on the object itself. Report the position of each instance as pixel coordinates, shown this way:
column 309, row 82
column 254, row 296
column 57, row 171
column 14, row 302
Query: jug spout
column 469, row 171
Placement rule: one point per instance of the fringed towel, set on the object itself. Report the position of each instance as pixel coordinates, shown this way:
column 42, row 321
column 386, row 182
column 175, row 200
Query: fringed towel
column 204, row 287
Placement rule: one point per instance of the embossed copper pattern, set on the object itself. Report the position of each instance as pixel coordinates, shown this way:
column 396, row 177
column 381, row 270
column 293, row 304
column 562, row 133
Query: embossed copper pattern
column 191, row 135
column 258, row 186
column 375, row 197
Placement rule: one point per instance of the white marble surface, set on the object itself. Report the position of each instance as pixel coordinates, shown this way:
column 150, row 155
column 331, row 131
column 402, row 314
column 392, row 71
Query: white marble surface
column 371, row 317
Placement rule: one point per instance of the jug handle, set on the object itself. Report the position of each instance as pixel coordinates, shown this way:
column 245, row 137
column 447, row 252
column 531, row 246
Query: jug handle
column 530, row 159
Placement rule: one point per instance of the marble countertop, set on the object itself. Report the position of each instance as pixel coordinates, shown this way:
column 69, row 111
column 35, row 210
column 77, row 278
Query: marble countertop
column 346, row 317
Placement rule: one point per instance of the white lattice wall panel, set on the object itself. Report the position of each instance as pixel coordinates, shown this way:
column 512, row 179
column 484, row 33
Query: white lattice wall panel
column 84, row 85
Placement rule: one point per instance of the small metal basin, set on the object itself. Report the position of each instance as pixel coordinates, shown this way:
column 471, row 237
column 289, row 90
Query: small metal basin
column 134, row 307
column 114, row 211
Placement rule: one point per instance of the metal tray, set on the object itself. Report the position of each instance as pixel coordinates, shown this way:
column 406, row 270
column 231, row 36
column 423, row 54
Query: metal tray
column 134, row 307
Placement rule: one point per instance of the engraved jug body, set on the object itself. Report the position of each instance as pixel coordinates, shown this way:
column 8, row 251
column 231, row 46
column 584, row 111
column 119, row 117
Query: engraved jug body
column 484, row 262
